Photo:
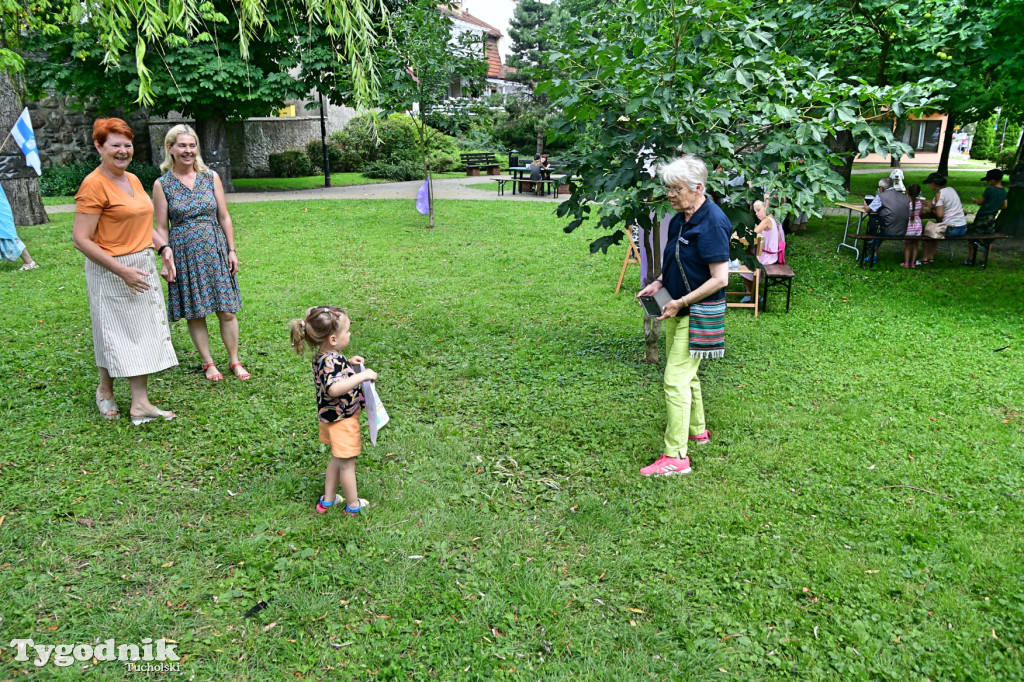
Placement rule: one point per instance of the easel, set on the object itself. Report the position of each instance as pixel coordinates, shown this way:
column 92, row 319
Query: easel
column 632, row 256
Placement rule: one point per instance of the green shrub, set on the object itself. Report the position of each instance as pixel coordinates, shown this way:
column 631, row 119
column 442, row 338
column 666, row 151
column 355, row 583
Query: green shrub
column 64, row 179
column 289, row 164
column 983, row 146
column 444, row 162
column 1006, row 158
column 395, row 142
column 315, row 152
column 61, row 180
column 147, row 173
column 394, row 172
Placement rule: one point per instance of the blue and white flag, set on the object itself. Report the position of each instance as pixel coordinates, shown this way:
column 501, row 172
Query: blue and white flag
column 26, row 139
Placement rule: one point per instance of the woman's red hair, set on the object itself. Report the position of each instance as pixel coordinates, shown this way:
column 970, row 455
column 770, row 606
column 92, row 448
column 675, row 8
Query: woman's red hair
column 104, row 127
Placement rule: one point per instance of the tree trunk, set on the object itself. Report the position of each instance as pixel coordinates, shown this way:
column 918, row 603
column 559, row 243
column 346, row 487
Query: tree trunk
column 323, row 143
column 1011, row 220
column 947, row 145
column 21, row 188
column 541, row 134
column 213, row 138
column 901, row 125
column 844, row 147
column 652, row 332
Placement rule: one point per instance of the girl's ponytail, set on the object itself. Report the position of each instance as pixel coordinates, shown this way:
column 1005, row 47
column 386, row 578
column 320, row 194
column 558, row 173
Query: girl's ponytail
column 298, row 335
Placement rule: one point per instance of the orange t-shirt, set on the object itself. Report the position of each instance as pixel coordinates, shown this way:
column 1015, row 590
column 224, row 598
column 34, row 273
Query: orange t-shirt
column 126, row 223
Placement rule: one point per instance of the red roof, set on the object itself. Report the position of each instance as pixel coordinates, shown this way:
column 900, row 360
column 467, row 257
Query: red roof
column 470, row 19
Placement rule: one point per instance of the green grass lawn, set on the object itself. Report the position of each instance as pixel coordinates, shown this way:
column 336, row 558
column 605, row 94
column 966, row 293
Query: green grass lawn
column 857, row 514
column 57, row 201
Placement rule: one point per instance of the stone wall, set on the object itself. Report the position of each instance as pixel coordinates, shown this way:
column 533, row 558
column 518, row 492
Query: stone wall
column 64, row 134
column 251, row 141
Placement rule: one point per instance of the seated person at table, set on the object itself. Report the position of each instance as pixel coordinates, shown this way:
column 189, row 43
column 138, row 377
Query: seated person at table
column 947, row 209
column 888, row 215
column 536, row 173
column 991, row 202
column 773, row 244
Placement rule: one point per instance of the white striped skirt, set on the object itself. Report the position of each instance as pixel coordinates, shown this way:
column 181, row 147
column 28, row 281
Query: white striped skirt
column 130, row 333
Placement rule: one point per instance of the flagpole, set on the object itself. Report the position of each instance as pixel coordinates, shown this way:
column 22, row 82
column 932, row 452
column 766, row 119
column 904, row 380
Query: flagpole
column 6, row 139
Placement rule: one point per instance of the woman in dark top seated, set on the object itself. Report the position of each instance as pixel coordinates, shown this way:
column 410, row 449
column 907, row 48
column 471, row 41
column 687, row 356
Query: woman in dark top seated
column 695, row 271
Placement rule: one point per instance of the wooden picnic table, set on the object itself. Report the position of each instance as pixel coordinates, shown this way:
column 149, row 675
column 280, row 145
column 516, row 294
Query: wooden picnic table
column 851, row 208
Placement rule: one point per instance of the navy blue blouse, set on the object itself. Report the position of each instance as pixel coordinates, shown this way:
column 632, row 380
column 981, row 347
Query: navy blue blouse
column 703, row 239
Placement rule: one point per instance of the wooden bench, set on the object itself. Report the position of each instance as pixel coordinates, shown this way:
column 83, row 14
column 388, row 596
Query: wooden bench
column 529, row 186
column 776, row 276
column 477, row 161
column 982, row 241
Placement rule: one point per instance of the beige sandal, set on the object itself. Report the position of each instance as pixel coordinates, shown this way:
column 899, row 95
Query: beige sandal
column 106, row 406
column 155, row 414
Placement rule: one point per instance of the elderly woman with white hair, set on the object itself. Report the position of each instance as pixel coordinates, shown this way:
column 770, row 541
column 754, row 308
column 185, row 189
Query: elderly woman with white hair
column 694, row 271
column 192, row 220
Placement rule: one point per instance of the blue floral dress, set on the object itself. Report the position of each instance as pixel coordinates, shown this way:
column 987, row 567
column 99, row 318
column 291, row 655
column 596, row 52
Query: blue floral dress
column 203, row 283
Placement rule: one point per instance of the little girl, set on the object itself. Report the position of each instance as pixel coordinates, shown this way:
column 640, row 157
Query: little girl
column 773, row 245
column 913, row 226
column 339, row 397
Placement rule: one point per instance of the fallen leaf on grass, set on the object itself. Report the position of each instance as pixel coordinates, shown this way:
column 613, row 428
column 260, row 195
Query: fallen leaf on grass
column 635, row 610
column 632, row 622
column 86, row 521
column 167, row 565
column 267, row 627
column 5, row 516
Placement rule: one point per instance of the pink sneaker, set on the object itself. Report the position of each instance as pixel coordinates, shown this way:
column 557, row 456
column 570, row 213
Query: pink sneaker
column 702, row 438
column 667, row 466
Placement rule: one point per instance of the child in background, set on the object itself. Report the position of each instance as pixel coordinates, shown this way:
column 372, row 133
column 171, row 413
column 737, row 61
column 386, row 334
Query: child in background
column 773, row 244
column 339, row 398
column 913, row 226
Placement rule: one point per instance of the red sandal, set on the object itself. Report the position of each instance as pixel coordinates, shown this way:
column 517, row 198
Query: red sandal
column 243, row 375
column 216, row 377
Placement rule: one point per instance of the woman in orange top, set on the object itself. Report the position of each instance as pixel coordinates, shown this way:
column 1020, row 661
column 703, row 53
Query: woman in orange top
column 113, row 228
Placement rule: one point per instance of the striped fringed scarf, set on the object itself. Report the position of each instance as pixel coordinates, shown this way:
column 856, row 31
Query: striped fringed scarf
column 707, row 330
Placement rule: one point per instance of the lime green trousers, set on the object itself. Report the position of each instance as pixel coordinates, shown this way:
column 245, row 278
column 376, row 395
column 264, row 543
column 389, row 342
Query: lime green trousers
column 683, row 400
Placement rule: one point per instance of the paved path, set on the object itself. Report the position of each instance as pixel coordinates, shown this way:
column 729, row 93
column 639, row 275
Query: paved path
column 446, row 188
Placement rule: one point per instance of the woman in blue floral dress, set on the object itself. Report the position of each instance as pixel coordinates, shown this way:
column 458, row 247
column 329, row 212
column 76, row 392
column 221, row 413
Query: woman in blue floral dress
column 193, row 218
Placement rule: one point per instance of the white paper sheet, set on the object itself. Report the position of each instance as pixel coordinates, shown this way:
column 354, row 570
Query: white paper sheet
column 376, row 414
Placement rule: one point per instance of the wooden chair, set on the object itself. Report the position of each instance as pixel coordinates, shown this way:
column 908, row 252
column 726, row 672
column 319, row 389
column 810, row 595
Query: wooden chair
column 743, row 269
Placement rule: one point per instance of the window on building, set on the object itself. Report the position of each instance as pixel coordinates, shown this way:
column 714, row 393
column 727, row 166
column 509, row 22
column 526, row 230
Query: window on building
column 924, row 135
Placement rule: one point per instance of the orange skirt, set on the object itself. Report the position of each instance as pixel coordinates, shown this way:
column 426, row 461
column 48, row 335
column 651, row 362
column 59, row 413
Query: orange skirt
column 344, row 437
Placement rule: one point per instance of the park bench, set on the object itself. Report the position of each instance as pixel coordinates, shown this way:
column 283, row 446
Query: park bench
column 526, row 186
column 982, row 241
column 477, row 161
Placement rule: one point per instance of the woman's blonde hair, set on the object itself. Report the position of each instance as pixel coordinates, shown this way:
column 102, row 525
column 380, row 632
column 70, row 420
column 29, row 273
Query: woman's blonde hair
column 171, row 137
column 320, row 322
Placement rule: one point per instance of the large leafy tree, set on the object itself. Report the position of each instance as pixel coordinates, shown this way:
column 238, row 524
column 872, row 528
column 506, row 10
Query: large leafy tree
column 422, row 59
column 18, row 20
column 974, row 46
column 214, row 62
column 208, row 80
column 706, row 80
